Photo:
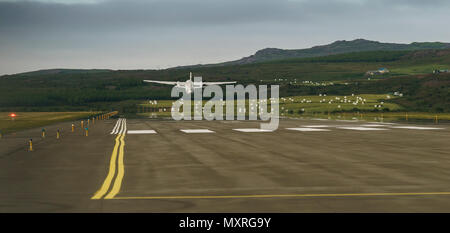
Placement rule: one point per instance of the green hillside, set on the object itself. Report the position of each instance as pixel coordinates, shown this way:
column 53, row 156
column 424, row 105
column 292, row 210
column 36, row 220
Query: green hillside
column 65, row 71
column 341, row 74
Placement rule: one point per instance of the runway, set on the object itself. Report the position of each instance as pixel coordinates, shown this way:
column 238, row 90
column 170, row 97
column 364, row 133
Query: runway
column 307, row 165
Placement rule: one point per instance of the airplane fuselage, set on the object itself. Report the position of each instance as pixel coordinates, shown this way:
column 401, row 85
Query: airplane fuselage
column 189, row 85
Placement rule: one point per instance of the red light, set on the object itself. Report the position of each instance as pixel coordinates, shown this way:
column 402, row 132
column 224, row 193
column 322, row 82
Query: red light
column 12, row 115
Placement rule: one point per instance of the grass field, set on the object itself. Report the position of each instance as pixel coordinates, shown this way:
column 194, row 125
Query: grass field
column 372, row 107
column 27, row 120
column 380, row 116
column 333, row 103
column 309, row 104
column 417, row 69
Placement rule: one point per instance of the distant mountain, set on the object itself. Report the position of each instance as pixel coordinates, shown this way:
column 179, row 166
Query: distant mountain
column 343, row 47
column 338, row 47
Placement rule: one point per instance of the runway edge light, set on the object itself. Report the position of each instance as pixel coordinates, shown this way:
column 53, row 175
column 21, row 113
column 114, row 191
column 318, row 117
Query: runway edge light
column 31, row 145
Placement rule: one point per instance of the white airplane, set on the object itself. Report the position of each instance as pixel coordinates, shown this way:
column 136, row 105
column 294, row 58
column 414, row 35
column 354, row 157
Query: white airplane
column 189, row 85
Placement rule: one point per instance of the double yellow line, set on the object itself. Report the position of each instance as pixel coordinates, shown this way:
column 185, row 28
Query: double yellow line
column 116, row 163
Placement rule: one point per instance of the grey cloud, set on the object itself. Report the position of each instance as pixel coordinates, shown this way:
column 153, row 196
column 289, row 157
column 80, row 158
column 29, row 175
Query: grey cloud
column 24, row 15
column 139, row 13
column 151, row 33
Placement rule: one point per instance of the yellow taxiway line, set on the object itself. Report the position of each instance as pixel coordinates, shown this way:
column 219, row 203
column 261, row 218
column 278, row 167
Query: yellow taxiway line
column 287, row 195
column 112, row 171
column 120, row 171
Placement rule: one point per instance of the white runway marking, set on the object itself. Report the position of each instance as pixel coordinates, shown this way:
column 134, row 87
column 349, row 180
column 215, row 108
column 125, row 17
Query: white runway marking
column 123, row 128
column 373, row 125
column 319, row 119
column 253, row 130
column 196, row 131
column 348, row 120
column 384, row 123
column 308, row 129
column 141, row 132
column 114, row 130
column 361, row 128
column 317, row 126
column 120, row 127
column 414, row 127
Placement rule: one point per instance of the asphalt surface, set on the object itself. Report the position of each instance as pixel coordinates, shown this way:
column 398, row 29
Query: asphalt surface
column 339, row 169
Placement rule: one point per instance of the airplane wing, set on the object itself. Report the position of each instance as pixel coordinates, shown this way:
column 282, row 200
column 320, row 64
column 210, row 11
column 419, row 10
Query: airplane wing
column 218, row 83
column 161, row 82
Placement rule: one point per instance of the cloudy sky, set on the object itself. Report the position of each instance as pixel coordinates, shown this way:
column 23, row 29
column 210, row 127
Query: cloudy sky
column 148, row 34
